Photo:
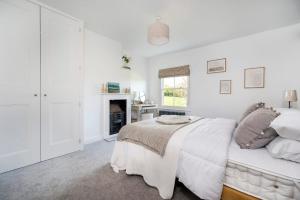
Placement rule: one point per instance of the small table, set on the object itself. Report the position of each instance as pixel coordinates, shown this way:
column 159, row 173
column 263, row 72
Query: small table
column 138, row 109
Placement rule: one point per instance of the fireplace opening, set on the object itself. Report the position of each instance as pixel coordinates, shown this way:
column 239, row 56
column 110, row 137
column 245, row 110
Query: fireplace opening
column 117, row 115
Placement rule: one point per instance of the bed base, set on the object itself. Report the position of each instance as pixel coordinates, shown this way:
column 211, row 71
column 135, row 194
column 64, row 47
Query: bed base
column 232, row 194
column 228, row 193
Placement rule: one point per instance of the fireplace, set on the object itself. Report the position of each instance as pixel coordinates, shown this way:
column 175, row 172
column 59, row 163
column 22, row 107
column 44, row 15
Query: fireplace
column 117, row 115
column 123, row 102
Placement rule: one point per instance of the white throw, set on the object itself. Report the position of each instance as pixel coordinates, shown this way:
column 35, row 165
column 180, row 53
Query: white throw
column 202, row 161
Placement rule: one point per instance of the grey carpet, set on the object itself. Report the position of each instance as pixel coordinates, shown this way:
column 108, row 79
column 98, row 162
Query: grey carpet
column 81, row 175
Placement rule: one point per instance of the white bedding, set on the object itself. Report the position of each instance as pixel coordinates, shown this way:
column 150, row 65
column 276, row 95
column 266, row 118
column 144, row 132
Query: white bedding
column 285, row 148
column 256, row 172
column 203, row 158
column 261, row 160
column 212, row 137
column 157, row 171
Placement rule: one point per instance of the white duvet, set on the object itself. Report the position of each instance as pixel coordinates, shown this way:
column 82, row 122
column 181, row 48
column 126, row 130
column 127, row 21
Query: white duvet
column 196, row 153
column 203, row 158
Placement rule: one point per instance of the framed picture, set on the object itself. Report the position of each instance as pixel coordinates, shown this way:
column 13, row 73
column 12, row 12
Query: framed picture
column 254, row 77
column 113, row 87
column 225, row 86
column 216, row 66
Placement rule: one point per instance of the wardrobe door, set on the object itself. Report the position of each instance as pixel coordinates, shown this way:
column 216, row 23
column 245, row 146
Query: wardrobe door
column 19, row 84
column 61, row 56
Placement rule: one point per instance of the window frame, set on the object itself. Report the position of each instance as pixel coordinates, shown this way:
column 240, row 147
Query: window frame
column 162, row 94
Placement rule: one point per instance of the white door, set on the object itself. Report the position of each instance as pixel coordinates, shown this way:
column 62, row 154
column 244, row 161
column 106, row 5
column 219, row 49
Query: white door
column 19, row 84
column 61, row 57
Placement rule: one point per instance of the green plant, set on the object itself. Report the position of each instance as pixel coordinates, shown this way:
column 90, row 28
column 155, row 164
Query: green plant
column 125, row 59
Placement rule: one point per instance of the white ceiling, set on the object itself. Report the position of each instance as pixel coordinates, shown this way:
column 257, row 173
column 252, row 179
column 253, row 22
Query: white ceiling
column 192, row 23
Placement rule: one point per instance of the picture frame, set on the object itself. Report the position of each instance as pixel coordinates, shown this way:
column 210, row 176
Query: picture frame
column 113, row 87
column 225, row 86
column 216, row 66
column 254, row 77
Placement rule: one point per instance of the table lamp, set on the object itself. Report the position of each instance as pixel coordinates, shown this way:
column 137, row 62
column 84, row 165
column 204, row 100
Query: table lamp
column 290, row 96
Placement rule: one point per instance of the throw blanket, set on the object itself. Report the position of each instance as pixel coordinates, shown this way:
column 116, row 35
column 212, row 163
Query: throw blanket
column 203, row 158
column 151, row 134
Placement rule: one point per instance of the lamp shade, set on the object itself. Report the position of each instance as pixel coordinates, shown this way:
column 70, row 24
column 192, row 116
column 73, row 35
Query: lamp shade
column 290, row 95
column 158, row 33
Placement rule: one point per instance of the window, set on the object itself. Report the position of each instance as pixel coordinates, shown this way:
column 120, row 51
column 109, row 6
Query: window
column 175, row 91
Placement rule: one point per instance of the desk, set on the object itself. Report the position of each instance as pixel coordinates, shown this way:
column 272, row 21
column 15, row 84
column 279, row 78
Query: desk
column 138, row 109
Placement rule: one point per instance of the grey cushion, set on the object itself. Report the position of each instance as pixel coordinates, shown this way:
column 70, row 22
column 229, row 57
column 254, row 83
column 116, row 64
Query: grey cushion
column 254, row 132
column 252, row 108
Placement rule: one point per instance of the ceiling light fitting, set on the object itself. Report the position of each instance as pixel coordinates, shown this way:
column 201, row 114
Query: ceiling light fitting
column 158, row 33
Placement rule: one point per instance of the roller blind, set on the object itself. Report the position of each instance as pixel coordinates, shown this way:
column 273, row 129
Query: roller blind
column 174, row 71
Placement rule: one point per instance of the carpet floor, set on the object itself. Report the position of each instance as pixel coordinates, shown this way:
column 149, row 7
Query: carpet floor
column 83, row 175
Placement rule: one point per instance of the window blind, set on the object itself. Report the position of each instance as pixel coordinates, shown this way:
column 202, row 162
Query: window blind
column 174, row 71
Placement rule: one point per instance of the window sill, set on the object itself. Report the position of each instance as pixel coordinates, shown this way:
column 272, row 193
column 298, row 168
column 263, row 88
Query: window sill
column 186, row 109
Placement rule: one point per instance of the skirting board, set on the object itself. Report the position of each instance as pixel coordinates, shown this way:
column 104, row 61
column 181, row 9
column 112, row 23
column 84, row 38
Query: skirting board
column 111, row 139
column 92, row 140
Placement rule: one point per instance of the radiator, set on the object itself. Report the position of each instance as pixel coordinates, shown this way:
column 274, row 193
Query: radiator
column 171, row 112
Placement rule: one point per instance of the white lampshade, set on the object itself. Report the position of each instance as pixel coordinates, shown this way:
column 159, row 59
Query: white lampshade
column 290, row 95
column 158, row 33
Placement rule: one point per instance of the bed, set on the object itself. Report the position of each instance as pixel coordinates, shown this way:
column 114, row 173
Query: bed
column 256, row 173
column 213, row 137
column 211, row 155
column 138, row 160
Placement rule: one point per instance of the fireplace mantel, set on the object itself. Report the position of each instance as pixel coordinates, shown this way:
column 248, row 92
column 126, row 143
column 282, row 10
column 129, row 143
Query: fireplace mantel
column 115, row 94
column 105, row 100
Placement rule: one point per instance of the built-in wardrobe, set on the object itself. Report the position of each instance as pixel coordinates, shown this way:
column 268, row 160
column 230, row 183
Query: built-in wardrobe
column 41, row 56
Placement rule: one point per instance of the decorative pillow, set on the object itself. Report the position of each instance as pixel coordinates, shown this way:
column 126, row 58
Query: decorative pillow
column 254, row 132
column 173, row 119
column 252, row 108
column 285, row 148
column 287, row 125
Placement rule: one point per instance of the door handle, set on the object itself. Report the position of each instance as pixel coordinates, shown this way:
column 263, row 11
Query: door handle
column 35, row 95
column 45, row 95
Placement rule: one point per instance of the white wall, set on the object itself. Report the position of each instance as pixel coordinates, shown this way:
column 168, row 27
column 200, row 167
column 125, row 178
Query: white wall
column 138, row 75
column 103, row 63
column 277, row 50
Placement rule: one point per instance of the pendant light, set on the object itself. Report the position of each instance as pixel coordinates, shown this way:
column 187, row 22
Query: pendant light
column 158, row 33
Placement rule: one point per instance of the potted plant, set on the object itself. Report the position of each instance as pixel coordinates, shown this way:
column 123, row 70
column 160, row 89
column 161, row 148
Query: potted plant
column 126, row 61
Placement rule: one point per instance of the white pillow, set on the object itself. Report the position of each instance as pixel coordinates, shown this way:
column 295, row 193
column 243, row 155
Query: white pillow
column 286, row 110
column 285, row 148
column 287, row 124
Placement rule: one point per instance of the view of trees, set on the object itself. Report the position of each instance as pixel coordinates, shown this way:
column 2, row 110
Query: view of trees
column 175, row 91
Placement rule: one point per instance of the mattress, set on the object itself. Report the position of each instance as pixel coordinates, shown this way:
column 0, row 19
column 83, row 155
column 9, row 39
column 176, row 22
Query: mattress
column 256, row 173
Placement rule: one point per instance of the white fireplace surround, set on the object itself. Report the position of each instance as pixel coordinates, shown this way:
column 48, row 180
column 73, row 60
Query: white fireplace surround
column 105, row 111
